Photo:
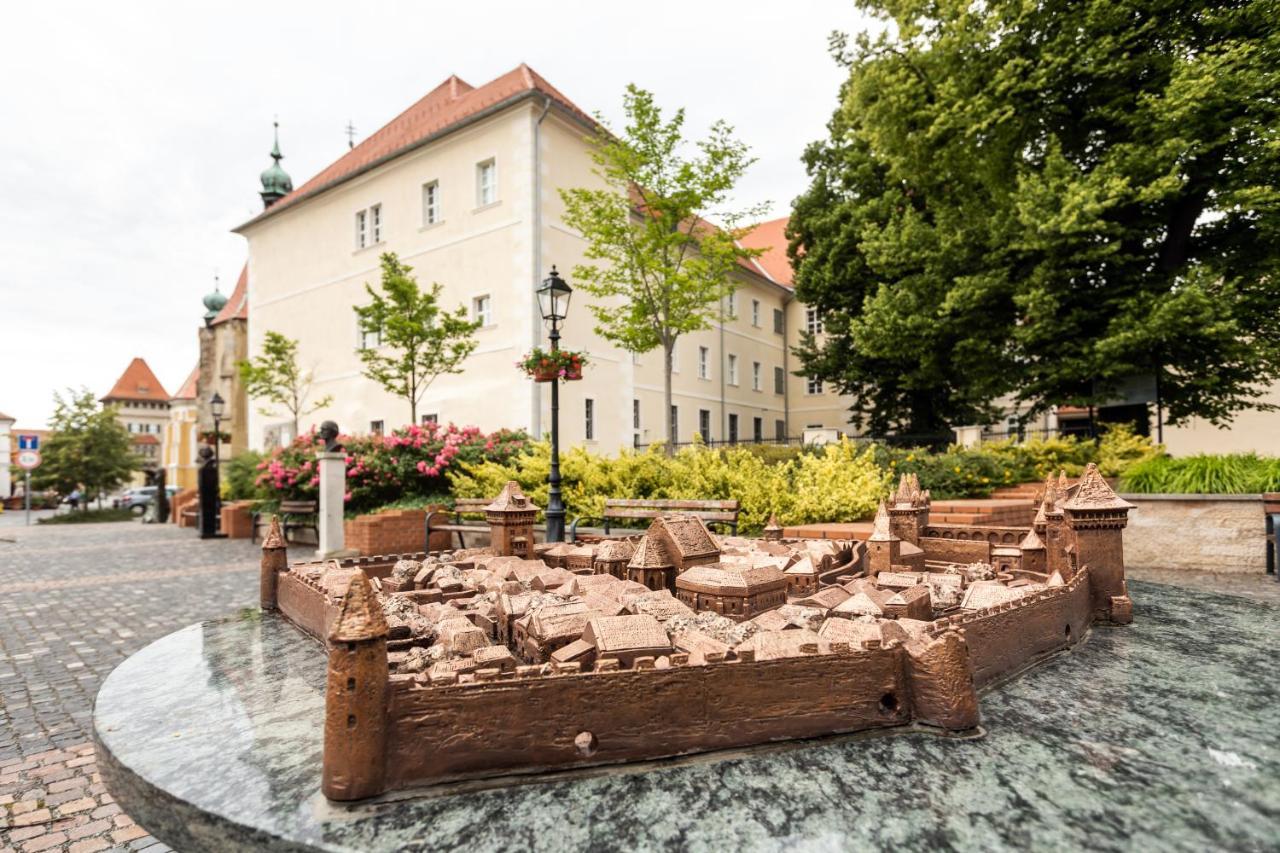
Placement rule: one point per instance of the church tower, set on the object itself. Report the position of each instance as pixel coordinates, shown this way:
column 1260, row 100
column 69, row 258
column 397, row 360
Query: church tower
column 1055, row 536
column 909, row 510
column 884, row 546
column 355, row 698
column 276, row 183
column 1097, row 517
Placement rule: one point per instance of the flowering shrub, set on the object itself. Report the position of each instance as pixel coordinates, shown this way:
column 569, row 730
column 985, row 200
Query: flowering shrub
column 564, row 363
column 408, row 463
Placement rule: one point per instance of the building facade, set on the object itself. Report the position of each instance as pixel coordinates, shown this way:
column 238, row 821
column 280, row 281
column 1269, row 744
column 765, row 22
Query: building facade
column 181, row 436
column 142, row 406
column 464, row 187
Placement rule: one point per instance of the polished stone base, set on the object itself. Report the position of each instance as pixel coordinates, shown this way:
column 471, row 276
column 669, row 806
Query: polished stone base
column 1162, row 735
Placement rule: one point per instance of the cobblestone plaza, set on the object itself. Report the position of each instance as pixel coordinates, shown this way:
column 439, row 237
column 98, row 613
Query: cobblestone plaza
column 78, row 600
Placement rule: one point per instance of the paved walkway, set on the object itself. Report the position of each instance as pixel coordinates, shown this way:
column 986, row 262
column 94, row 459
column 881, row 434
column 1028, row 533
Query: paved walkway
column 76, row 600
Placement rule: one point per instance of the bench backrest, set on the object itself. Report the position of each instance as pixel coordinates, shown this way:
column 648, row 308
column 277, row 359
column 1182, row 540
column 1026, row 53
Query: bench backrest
column 471, row 506
column 298, row 507
column 637, row 509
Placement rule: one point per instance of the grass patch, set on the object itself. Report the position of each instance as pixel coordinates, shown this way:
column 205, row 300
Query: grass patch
column 91, row 516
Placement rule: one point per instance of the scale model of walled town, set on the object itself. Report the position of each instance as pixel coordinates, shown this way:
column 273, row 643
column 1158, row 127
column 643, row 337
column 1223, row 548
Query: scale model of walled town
column 524, row 657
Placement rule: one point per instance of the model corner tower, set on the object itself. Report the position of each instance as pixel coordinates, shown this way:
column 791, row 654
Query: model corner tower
column 1097, row 516
column 355, row 701
column 510, row 518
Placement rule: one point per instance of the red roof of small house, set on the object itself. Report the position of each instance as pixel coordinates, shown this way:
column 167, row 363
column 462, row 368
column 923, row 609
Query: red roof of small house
column 137, row 383
column 237, row 307
column 188, row 389
column 445, row 108
column 145, row 438
column 772, row 237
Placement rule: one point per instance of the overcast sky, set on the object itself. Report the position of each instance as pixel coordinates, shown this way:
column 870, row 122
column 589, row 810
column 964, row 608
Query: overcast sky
column 132, row 135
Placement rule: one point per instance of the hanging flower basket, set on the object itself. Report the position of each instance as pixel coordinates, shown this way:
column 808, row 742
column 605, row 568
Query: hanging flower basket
column 544, row 366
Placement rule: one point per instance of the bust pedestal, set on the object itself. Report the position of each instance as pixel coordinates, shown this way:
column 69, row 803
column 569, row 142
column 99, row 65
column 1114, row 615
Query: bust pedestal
column 333, row 488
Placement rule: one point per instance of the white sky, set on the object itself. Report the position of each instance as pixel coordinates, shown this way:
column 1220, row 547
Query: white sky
column 132, row 135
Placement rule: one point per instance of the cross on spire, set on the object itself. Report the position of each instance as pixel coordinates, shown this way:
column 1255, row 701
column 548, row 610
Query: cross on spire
column 351, row 134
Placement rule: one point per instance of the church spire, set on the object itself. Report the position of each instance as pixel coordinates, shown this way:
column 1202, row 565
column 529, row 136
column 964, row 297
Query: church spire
column 276, row 183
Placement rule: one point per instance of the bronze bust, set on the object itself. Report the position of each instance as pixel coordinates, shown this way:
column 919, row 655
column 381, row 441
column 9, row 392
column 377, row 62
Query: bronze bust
column 329, row 432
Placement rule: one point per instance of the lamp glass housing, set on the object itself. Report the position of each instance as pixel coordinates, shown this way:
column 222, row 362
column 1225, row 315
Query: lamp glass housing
column 553, row 297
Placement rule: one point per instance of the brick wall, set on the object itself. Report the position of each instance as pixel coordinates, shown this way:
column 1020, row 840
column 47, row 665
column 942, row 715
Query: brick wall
column 397, row 531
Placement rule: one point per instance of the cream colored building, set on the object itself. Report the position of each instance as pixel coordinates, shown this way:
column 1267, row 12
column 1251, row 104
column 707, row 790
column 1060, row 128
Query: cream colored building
column 142, row 406
column 463, row 186
column 181, row 436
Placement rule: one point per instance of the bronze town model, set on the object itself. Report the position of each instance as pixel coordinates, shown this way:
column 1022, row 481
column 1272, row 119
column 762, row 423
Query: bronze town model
column 521, row 658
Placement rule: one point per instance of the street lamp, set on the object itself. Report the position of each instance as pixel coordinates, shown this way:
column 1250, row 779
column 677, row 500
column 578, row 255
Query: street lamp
column 217, row 407
column 553, row 302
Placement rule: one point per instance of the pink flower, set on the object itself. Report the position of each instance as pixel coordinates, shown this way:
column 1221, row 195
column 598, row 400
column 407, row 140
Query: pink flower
column 422, row 467
column 346, row 498
column 315, row 481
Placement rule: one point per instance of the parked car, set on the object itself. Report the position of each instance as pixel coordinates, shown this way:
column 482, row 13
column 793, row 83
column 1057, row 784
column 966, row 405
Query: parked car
column 140, row 498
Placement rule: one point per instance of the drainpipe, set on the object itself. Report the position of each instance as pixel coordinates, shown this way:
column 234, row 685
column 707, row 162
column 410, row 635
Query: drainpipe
column 724, row 361
column 535, row 416
column 786, row 373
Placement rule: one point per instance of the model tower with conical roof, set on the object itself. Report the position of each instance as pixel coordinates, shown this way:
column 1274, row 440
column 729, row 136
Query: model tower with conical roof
column 355, row 707
column 1097, row 516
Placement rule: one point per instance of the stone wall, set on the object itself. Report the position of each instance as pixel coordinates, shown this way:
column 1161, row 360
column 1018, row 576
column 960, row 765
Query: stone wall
column 1215, row 533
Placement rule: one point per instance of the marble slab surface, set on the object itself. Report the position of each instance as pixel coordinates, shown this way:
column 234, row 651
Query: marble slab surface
column 1163, row 735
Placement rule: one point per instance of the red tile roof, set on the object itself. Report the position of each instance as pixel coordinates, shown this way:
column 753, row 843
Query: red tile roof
column 137, row 383
column 188, row 389
column 237, row 307
column 445, row 108
column 146, row 438
column 772, row 237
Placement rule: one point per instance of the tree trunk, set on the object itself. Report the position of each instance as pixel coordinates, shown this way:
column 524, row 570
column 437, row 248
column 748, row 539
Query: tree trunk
column 667, row 350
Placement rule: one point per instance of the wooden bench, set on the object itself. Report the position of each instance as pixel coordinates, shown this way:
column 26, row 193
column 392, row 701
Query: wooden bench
column 439, row 521
column 294, row 515
column 722, row 513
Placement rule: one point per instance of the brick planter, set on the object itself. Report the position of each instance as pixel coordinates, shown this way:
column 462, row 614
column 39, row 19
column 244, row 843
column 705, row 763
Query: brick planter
column 397, row 531
column 237, row 519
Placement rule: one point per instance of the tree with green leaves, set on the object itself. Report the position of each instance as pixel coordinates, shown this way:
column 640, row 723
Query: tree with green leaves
column 657, row 267
column 1047, row 200
column 274, row 375
column 88, row 448
column 417, row 339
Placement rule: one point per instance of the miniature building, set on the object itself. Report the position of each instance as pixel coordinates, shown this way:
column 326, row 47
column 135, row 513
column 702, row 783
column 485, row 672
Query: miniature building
column 510, row 518
column 773, row 530
column 651, row 564
column 355, row 727
column 1097, row 517
column 734, row 591
column 688, row 541
column 611, row 557
column 1033, row 553
column 909, row 510
column 580, row 560
column 912, row 602
column 886, row 550
column 626, row 638
column 802, row 576
column 542, row 631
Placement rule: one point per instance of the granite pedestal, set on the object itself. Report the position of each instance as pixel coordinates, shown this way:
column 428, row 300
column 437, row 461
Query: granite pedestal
column 1162, row 735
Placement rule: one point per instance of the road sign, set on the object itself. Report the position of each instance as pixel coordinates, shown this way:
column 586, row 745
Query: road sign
column 28, row 459
column 28, row 442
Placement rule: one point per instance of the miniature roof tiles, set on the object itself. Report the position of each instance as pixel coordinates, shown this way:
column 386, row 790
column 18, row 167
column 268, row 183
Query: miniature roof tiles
column 687, row 534
column 880, row 530
column 511, row 499
column 625, row 633
column 1093, row 493
column 651, row 553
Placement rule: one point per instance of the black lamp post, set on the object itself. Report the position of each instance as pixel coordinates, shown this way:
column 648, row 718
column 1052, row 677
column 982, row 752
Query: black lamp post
column 217, row 408
column 553, row 302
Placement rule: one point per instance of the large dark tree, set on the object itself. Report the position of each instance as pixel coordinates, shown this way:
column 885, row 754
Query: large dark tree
column 1047, row 199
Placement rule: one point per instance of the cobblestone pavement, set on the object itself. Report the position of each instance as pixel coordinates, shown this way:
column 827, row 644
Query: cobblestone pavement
column 76, row 600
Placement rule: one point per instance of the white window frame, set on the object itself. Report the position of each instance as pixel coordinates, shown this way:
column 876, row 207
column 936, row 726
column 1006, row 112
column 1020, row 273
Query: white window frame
column 756, row 370
column 486, row 193
column 431, row 203
column 482, row 310
column 375, row 223
column 704, row 362
column 362, row 229
column 813, row 386
column 812, row 321
column 363, row 338
column 704, row 424
column 733, row 369
column 755, row 313
column 378, row 427
column 733, row 304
